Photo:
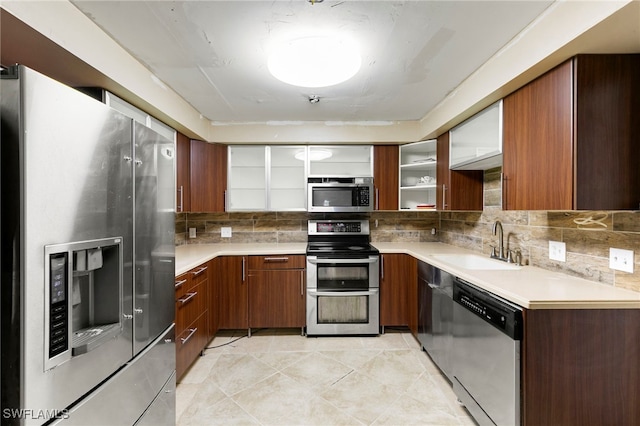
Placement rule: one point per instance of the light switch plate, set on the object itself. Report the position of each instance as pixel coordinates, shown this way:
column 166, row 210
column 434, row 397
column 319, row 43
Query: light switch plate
column 192, row 232
column 621, row 260
column 557, row 251
column 225, row 232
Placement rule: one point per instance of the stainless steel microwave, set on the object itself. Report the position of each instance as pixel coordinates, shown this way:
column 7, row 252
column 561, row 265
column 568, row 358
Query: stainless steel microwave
column 327, row 194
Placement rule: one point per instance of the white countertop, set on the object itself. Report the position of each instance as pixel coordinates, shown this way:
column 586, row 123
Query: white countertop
column 529, row 287
column 191, row 255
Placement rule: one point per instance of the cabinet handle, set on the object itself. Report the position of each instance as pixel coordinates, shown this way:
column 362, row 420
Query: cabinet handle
column 503, row 184
column 199, row 271
column 192, row 331
column 179, row 284
column 180, row 206
column 301, row 283
column 243, row 268
column 444, row 197
column 377, row 199
column 184, row 300
column 276, row 259
column 382, row 267
column 226, row 201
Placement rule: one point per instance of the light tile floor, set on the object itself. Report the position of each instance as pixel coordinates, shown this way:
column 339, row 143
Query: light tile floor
column 278, row 377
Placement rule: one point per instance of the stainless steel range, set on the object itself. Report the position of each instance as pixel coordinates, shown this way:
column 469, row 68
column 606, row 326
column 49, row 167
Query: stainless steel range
column 342, row 279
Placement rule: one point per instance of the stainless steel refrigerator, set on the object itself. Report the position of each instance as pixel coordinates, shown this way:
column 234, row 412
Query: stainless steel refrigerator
column 87, row 298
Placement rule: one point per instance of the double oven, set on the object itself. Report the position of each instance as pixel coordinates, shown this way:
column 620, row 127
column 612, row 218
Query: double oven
column 342, row 279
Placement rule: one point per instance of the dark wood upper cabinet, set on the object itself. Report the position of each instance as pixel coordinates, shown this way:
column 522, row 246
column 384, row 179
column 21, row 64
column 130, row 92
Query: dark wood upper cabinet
column 183, row 173
column 571, row 137
column 385, row 176
column 208, row 176
column 456, row 189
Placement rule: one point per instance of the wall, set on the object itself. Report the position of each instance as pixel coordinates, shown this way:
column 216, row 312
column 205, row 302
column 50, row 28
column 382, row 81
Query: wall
column 287, row 227
column 588, row 235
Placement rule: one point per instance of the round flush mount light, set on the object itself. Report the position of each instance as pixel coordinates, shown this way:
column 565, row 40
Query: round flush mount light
column 314, row 61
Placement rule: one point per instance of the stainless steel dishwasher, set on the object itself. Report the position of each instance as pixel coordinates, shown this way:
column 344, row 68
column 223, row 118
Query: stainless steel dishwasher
column 487, row 332
column 435, row 314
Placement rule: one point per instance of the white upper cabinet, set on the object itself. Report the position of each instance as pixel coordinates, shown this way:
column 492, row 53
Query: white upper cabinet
column 476, row 144
column 247, row 179
column 287, row 178
column 274, row 178
column 418, row 163
column 266, row 178
column 338, row 161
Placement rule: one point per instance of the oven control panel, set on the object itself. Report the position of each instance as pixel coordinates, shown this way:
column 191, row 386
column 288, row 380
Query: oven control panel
column 339, row 227
column 331, row 227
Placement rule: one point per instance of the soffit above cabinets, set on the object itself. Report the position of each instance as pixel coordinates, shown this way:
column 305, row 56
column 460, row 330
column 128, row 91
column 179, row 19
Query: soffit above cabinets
column 214, row 53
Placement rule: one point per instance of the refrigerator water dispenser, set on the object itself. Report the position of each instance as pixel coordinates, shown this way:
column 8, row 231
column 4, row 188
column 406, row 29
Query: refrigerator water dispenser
column 84, row 297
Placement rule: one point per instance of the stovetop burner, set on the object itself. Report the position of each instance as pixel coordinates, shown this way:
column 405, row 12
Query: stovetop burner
column 340, row 249
column 339, row 238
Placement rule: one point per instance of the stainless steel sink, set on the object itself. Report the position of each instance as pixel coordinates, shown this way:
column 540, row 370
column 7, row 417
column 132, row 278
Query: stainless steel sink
column 475, row 262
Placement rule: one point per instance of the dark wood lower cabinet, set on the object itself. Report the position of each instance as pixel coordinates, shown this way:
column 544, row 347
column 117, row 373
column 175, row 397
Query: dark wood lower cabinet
column 277, row 291
column 581, row 367
column 192, row 316
column 259, row 291
column 398, row 290
column 232, row 291
column 276, row 298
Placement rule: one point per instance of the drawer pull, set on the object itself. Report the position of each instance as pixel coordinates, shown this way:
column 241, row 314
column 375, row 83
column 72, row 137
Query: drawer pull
column 185, row 300
column 199, row 271
column 192, row 331
column 179, row 284
column 276, row 259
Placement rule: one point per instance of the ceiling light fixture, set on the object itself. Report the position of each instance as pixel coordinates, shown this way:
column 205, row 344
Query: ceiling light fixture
column 315, row 61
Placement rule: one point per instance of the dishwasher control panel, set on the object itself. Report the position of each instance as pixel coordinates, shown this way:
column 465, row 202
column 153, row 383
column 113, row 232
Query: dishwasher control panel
column 489, row 314
column 496, row 311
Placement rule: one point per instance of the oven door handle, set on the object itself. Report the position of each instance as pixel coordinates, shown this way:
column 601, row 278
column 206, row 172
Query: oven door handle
column 316, row 293
column 315, row 261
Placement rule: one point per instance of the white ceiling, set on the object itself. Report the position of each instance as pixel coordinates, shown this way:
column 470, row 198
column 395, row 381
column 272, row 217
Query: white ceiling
column 214, row 53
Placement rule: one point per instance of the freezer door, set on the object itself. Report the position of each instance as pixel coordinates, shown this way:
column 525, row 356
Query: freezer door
column 145, row 387
column 154, row 227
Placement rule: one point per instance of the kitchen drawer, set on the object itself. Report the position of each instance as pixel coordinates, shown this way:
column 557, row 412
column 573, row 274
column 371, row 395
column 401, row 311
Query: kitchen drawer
column 182, row 283
column 199, row 274
column 277, row 262
column 189, row 343
column 190, row 306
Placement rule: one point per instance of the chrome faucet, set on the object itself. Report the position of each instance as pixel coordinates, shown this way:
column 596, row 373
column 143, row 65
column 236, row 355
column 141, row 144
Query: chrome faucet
column 497, row 228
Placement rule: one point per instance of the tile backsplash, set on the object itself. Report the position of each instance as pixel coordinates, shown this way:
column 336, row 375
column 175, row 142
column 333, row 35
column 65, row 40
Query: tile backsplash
column 588, row 235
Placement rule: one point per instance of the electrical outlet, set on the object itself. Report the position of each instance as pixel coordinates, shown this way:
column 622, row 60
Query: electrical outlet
column 192, row 232
column 225, row 232
column 557, row 251
column 621, row 260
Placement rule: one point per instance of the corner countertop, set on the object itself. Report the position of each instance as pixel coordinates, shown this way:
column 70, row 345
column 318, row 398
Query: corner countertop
column 529, row 287
column 191, row 255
